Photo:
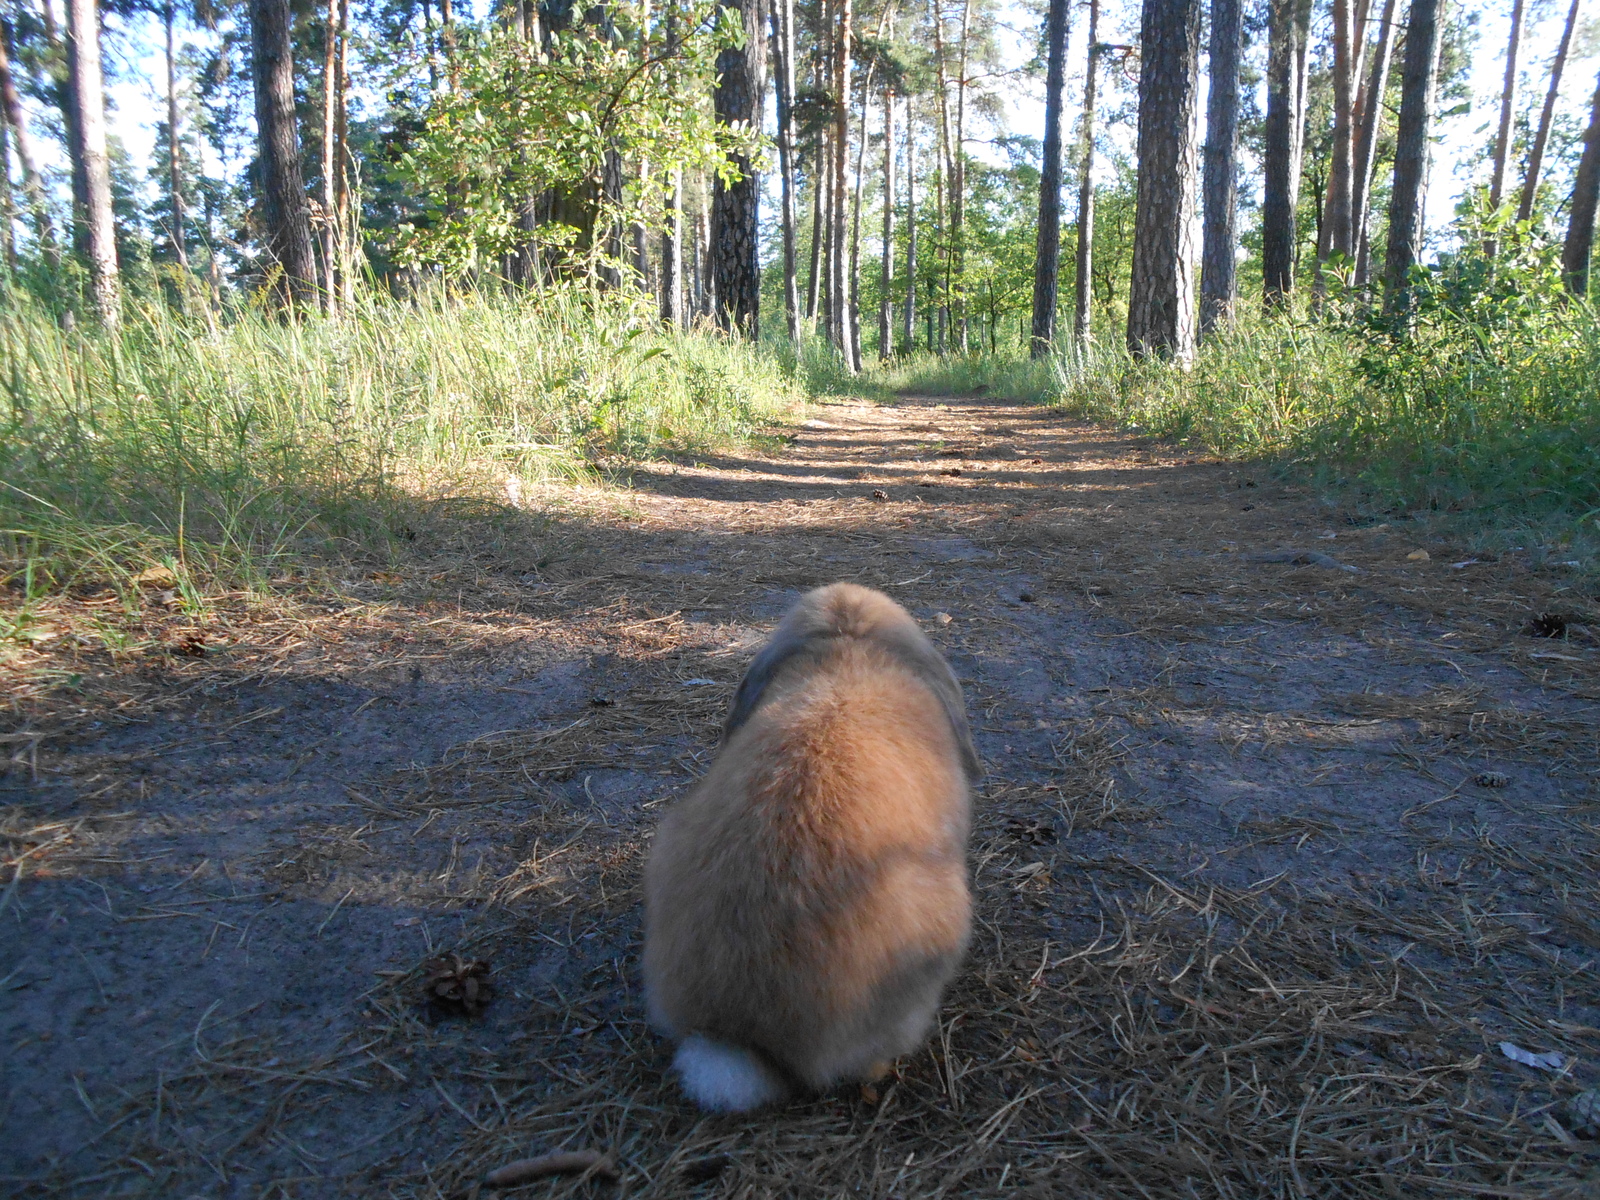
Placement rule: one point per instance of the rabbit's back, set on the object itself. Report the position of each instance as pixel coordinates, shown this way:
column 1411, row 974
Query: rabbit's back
column 809, row 898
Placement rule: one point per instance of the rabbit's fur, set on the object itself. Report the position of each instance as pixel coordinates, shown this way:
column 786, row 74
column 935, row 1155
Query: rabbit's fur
column 807, row 902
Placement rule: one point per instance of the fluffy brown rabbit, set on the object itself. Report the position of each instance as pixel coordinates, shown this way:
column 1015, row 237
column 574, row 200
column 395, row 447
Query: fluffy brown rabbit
column 807, row 902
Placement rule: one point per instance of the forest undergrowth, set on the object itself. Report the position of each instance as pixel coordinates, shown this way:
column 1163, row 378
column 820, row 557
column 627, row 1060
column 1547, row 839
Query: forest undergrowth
column 230, row 451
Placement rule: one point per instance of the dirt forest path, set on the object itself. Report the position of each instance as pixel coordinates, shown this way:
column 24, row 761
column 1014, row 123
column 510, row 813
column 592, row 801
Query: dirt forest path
column 1274, row 849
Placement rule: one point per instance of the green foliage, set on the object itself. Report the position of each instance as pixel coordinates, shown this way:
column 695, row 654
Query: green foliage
column 1485, row 403
column 523, row 125
column 226, row 451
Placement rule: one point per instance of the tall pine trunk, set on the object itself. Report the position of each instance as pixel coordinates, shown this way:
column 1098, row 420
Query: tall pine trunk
column 174, row 146
column 886, row 264
column 1530, row 182
column 1368, row 121
column 22, row 142
column 1218, row 266
column 1508, row 106
column 283, row 193
column 735, row 207
column 1411, row 151
column 330, row 190
column 1161, row 317
column 1047, row 245
column 855, row 228
column 958, row 185
column 1279, row 157
column 346, row 213
column 838, row 279
column 783, row 43
column 819, row 186
column 89, row 110
column 1335, row 235
column 911, row 229
column 672, row 254
column 1579, row 246
column 1081, row 285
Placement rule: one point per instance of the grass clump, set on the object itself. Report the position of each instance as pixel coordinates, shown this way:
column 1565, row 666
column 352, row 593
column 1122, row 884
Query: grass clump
column 998, row 376
column 221, row 450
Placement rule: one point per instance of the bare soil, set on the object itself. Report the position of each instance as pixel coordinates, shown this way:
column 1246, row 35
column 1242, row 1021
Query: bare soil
column 1271, row 855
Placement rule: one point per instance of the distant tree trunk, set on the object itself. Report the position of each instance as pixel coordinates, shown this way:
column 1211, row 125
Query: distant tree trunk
column 283, row 194
column 1218, row 266
column 1575, row 253
column 944, row 173
column 1334, row 237
column 1369, row 119
column 17, row 118
column 672, row 255
column 1279, row 158
column 958, row 184
column 1508, row 105
column 1530, row 182
column 886, row 265
column 839, row 284
column 911, row 230
column 330, row 190
column 819, row 186
column 735, row 207
column 784, row 42
column 88, row 103
column 346, row 213
column 1082, row 286
column 8, row 208
column 1161, row 318
column 174, row 146
column 854, row 308
column 1047, row 245
column 1411, row 150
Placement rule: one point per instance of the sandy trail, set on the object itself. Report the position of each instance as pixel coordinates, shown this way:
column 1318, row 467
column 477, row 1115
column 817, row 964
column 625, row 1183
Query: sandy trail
column 1270, row 856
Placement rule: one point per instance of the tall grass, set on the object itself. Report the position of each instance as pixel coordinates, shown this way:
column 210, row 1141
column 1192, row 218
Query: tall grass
column 1499, row 421
column 234, row 446
column 998, row 376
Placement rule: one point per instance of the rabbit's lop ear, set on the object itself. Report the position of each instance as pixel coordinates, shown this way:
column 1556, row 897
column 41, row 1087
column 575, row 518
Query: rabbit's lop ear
column 912, row 647
column 784, row 646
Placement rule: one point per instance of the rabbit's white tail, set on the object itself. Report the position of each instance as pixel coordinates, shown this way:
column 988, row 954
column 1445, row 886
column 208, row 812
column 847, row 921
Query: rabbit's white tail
column 724, row 1078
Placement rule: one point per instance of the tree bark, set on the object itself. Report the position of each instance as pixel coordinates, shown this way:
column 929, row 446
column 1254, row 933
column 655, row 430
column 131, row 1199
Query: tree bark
column 1047, row 244
column 1579, row 246
column 943, row 176
column 886, row 265
column 958, row 186
column 911, row 230
column 839, row 287
column 1411, row 150
column 672, row 255
column 283, row 194
column 1278, row 166
column 330, row 199
column 17, row 118
column 88, row 102
column 784, row 43
column 1218, row 265
column 1081, row 285
column 1508, row 105
column 1334, row 238
column 1161, row 318
column 855, row 227
column 174, row 146
column 349, row 220
column 819, row 184
column 1530, row 182
column 1369, row 119
column 735, row 207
